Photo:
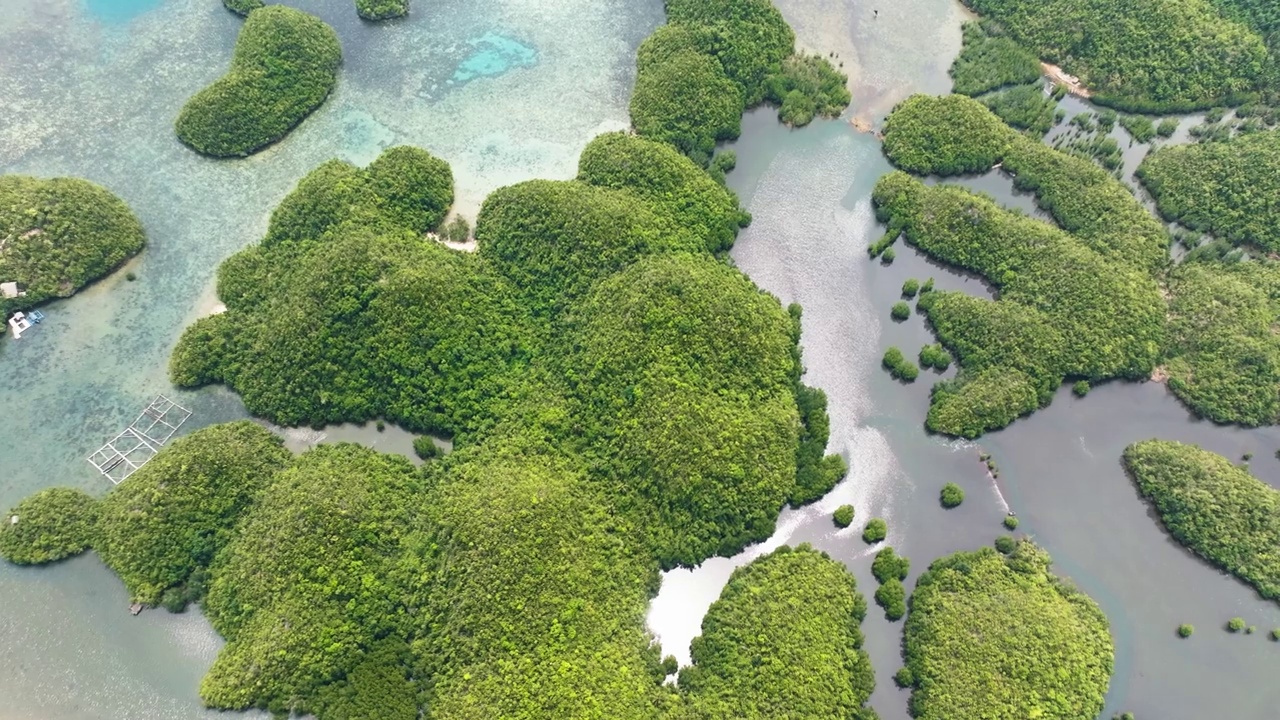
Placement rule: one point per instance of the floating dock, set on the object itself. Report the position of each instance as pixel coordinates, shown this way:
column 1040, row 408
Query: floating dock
column 138, row 443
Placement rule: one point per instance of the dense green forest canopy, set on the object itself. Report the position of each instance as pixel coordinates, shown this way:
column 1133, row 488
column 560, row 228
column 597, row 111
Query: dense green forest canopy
column 173, row 516
column 60, row 234
column 50, row 525
column 1147, row 55
column 1216, row 509
column 990, row 636
column 323, row 554
column 1210, row 327
column 1223, row 356
column 284, row 65
column 576, row 359
column 739, row 670
column 1228, row 189
column 716, row 58
column 663, row 349
column 990, row 60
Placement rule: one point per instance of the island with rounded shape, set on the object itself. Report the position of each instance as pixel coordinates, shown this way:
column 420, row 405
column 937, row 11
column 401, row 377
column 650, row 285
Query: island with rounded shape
column 51, row 525
column 284, row 66
column 59, row 235
column 990, row 635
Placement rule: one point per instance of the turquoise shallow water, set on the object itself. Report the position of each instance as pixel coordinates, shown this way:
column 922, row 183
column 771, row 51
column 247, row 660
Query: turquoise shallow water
column 493, row 55
column 119, row 11
column 95, row 96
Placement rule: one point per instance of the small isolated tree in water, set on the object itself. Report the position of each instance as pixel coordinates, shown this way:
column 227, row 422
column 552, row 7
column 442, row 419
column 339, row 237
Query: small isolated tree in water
column 875, row 531
column 1006, row 544
column 1235, row 624
column 901, row 311
column 1185, row 630
column 910, row 288
column 892, row 596
column 899, row 366
column 843, row 516
column 952, row 495
column 426, row 448
column 889, row 565
column 1011, row 522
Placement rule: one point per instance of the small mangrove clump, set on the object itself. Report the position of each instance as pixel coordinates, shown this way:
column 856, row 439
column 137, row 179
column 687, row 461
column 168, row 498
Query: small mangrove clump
column 1081, row 388
column 901, row 311
column 425, row 448
column 910, row 288
column 889, row 565
column 1011, row 522
column 875, row 531
column 1235, row 624
column 843, row 516
column 898, row 366
column 1005, row 544
column 892, row 596
column 382, row 9
column 952, row 495
column 934, row 356
column 1185, row 630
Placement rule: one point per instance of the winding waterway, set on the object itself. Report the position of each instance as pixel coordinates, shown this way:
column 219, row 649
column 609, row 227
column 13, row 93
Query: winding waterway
column 507, row 90
column 809, row 194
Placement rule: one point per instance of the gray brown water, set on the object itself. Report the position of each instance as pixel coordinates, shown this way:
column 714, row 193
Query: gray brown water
column 809, row 193
column 96, row 99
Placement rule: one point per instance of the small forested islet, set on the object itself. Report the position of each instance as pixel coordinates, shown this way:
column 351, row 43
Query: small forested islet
column 284, row 66
column 382, row 9
column 756, row 619
column 58, row 235
column 714, row 59
column 1216, row 509
column 996, row 636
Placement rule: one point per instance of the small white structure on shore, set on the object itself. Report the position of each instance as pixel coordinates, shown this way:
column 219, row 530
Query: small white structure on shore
column 19, row 324
column 9, row 290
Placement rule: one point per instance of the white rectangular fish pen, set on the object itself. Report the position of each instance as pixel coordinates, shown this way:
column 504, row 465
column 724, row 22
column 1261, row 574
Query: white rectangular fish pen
column 138, row 443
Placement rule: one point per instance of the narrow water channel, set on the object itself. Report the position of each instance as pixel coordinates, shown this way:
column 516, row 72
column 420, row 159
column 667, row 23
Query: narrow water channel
column 809, row 193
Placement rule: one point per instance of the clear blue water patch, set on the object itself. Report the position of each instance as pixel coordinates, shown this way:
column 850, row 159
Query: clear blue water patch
column 120, row 11
column 493, row 54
